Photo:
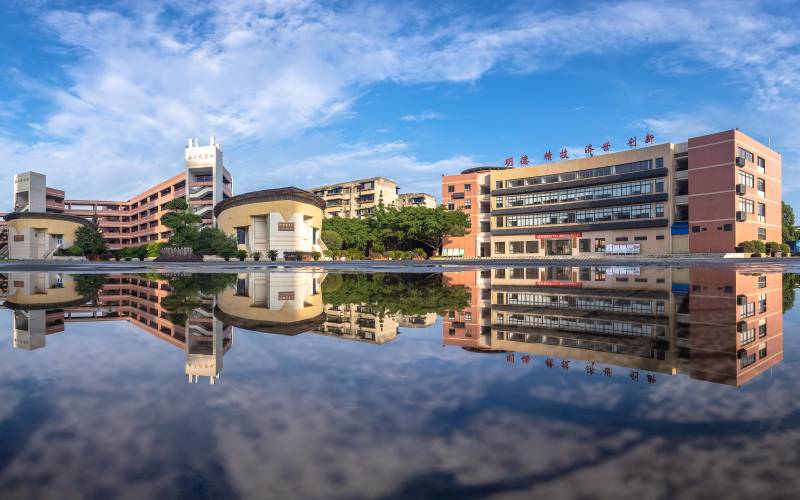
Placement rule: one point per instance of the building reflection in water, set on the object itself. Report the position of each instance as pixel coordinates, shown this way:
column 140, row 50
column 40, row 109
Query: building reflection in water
column 717, row 325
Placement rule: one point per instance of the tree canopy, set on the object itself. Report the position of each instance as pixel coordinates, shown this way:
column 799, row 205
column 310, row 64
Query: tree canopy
column 789, row 233
column 393, row 293
column 89, row 240
column 183, row 223
column 403, row 228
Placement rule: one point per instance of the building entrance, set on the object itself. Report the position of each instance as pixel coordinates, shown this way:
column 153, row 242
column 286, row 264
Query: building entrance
column 558, row 247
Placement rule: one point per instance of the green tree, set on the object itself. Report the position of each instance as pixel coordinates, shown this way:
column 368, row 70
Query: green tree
column 209, row 240
column 333, row 240
column 186, row 293
column 89, row 285
column 789, row 233
column 790, row 282
column 429, row 226
column 393, row 293
column 89, row 239
column 355, row 233
column 182, row 222
column 225, row 247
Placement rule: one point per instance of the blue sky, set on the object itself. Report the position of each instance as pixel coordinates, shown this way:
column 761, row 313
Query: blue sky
column 101, row 96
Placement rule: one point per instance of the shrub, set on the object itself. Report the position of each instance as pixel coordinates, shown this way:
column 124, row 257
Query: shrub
column 241, row 254
column 419, row 252
column 354, row 254
column 141, row 252
column 256, row 255
column 754, row 246
column 332, row 239
column 773, row 246
column 315, row 255
column 786, row 249
column 272, row 254
column 154, row 249
column 333, row 254
column 378, row 247
column 226, row 248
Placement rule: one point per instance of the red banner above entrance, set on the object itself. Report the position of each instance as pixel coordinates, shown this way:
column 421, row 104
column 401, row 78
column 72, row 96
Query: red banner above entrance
column 557, row 236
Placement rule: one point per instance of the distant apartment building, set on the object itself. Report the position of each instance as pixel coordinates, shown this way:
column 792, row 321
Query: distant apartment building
column 360, row 198
column 357, row 199
column 416, row 200
column 716, row 325
column 470, row 191
column 707, row 195
column 204, row 183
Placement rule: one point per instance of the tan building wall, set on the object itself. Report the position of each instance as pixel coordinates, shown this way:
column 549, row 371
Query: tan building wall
column 416, row 200
column 357, row 198
column 284, row 220
column 517, row 199
column 38, row 236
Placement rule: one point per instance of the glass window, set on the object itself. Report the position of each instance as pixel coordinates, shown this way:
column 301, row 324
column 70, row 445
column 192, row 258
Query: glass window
column 585, row 245
column 762, row 185
column 516, row 247
column 762, row 165
column 451, row 189
column 532, row 247
column 762, row 233
column 467, row 187
column 499, row 247
column 241, row 235
column 600, row 245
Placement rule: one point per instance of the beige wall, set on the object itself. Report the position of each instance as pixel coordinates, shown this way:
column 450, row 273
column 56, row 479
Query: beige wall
column 37, row 236
column 305, row 217
column 275, row 297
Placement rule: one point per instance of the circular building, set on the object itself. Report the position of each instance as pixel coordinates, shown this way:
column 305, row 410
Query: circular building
column 37, row 235
column 284, row 219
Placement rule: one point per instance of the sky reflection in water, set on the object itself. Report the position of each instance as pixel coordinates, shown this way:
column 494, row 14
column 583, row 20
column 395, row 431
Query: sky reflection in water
column 565, row 382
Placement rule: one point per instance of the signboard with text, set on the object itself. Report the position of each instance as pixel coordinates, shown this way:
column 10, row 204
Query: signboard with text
column 623, row 248
column 285, row 226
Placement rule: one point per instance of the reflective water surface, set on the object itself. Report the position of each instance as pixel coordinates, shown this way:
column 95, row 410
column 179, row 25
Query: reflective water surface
column 565, row 382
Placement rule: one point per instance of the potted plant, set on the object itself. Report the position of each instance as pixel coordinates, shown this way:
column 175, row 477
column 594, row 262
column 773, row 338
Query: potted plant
column 273, row 255
column 256, row 256
column 242, row 254
column 141, row 252
column 316, row 255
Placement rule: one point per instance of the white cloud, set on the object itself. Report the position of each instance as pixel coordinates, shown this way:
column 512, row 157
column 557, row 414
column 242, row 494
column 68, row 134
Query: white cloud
column 424, row 116
column 268, row 73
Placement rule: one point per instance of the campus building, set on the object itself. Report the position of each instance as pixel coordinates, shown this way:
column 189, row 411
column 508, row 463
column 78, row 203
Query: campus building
column 360, row 198
column 720, row 326
column 204, row 183
column 707, row 195
column 285, row 220
column 470, row 191
column 416, row 200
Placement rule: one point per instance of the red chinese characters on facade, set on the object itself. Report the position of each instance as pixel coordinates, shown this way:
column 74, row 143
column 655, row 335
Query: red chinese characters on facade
column 510, row 161
column 589, row 150
column 649, row 138
column 523, row 160
column 632, row 142
column 548, row 156
column 564, row 154
column 606, row 146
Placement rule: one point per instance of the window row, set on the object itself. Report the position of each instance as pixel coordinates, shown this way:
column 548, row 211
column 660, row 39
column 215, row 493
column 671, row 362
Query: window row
column 586, row 193
column 583, row 216
column 623, row 168
column 624, row 328
column 587, row 303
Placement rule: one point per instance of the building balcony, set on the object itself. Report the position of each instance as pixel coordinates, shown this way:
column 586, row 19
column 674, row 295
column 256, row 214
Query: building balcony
column 681, row 199
column 681, row 174
column 740, row 161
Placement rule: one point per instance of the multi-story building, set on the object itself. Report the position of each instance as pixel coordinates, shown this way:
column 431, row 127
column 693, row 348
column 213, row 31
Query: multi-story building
column 721, row 326
column 416, row 200
column 357, row 198
column 204, row 182
column 470, row 191
column 707, row 195
column 359, row 322
column 471, row 327
column 3, row 236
